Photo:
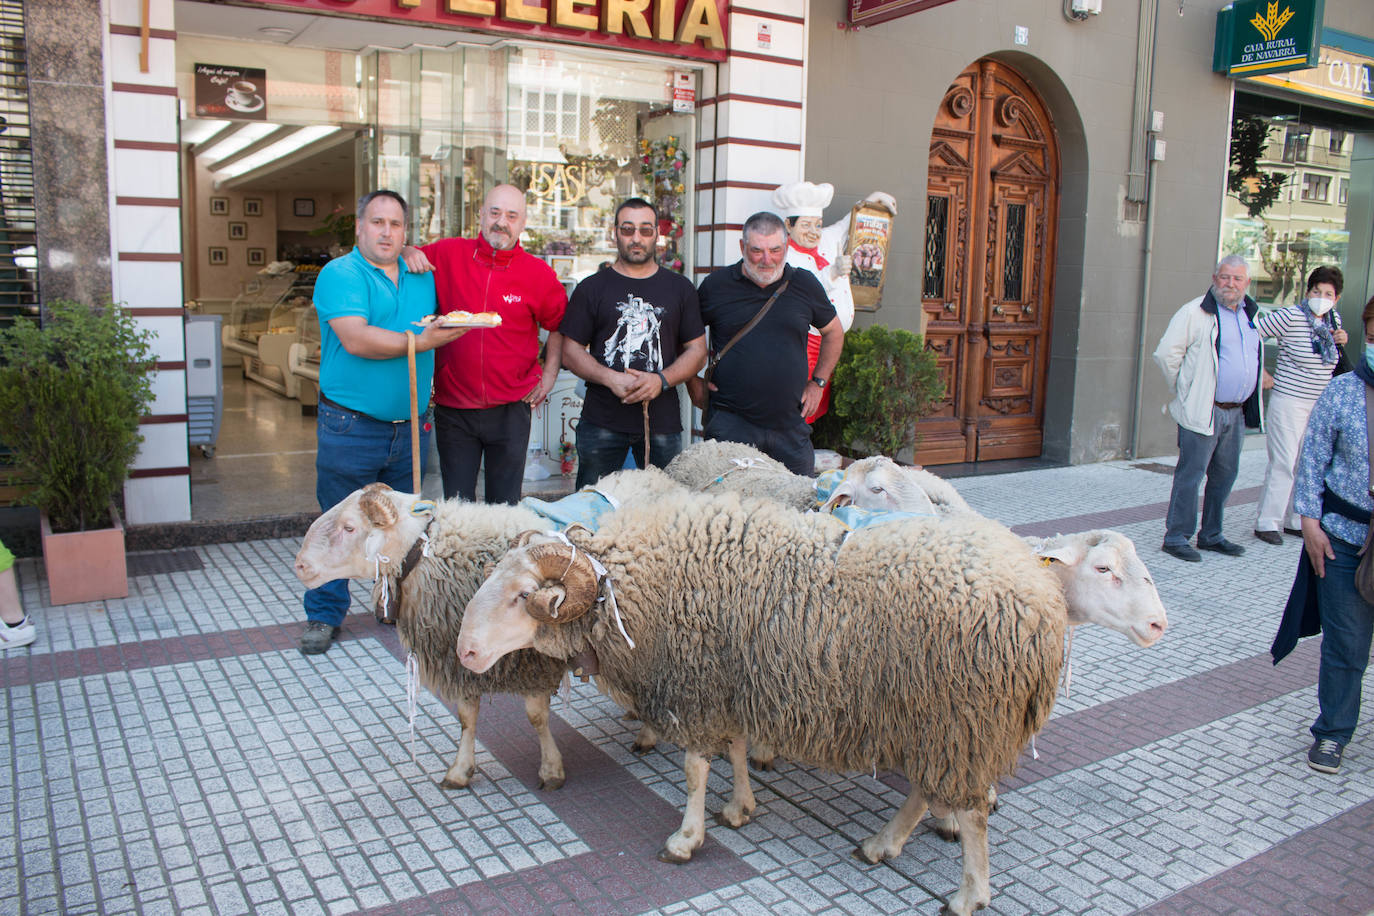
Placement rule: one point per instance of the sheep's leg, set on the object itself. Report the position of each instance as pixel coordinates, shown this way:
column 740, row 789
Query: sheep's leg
column 763, row 756
column 888, row 842
column 946, row 825
column 550, row 761
column 736, row 812
column 974, row 893
column 645, row 740
column 465, row 764
column 692, row 833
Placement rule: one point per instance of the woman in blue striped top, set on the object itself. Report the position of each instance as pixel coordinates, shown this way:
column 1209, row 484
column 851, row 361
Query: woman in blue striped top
column 1308, row 334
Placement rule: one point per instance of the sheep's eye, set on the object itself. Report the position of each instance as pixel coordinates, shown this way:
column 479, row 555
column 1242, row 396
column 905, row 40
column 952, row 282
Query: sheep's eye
column 1103, row 569
column 875, row 489
column 524, row 596
column 348, row 528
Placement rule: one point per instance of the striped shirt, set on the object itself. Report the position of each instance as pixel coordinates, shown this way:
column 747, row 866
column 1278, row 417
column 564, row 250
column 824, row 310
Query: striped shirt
column 1298, row 372
column 1335, row 457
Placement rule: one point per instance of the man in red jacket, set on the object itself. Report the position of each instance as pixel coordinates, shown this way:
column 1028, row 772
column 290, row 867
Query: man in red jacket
column 487, row 381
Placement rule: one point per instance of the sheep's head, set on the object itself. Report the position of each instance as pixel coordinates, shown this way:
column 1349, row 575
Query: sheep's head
column 878, row 483
column 345, row 542
column 542, row 581
column 1106, row 582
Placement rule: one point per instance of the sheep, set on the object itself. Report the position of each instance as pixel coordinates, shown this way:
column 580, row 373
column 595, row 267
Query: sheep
column 716, row 466
column 932, row 646
column 369, row 533
column 1105, row 581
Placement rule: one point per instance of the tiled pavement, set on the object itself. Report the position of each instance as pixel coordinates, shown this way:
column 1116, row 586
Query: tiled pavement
column 173, row 753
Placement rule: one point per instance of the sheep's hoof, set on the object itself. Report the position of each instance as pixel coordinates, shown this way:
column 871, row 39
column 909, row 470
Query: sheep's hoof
column 946, row 911
column 863, row 856
column 734, row 822
column 641, row 749
column 762, row 763
column 552, row 783
column 673, row 858
column 447, row 783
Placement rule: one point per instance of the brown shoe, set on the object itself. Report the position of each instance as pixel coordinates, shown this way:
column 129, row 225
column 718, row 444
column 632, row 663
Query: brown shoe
column 1270, row 537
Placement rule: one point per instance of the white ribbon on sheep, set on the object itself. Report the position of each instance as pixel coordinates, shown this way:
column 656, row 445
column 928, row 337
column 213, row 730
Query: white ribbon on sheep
column 604, row 577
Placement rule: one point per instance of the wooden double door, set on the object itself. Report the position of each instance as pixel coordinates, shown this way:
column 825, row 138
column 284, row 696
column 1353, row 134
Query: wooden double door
column 991, row 214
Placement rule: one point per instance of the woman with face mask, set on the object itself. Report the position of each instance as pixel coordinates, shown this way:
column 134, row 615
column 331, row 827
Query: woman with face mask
column 1308, row 334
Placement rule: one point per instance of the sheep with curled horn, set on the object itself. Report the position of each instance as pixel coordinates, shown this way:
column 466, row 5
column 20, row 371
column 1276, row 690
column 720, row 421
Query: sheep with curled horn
column 370, row 533
column 929, row 646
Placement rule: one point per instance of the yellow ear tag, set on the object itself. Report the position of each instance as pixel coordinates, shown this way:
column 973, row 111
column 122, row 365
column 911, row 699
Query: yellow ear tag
column 1046, row 561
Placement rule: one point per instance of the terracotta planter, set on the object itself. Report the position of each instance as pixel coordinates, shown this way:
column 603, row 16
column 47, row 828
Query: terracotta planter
column 85, row 565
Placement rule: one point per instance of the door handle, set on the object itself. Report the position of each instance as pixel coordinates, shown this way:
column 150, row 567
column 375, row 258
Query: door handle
column 998, row 310
column 949, row 306
column 1027, row 309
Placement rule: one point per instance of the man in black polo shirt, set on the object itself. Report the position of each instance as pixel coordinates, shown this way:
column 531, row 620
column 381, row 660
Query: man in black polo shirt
column 759, row 392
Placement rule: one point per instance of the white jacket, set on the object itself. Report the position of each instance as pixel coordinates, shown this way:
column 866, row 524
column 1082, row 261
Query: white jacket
column 1187, row 354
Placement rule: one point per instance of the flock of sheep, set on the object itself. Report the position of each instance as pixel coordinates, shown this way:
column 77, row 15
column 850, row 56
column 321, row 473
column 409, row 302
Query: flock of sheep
column 709, row 603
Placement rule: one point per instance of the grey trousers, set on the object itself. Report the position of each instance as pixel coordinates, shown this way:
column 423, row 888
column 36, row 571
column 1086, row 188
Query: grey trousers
column 1218, row 457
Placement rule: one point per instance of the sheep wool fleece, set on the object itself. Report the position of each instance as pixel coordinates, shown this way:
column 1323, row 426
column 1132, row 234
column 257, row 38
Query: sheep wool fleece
column 932, row 646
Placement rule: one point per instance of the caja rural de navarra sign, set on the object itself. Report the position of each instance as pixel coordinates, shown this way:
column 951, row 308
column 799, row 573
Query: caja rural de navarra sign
column 1267, row 36
column 687, row 28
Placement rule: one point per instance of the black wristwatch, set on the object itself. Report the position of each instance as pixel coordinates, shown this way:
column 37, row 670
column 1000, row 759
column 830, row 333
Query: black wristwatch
column 664, row 378
column 820, row 382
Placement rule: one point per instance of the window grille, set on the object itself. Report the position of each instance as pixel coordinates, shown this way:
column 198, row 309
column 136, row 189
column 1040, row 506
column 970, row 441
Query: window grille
column 18, row 236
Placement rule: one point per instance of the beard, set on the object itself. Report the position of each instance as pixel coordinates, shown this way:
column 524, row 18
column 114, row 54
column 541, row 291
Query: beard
column 762, row 276
column 500, row 238
column 634, row 254
column 1228, row 298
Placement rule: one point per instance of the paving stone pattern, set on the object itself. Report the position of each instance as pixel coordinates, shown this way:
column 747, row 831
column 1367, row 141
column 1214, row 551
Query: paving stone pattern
column 173, row 753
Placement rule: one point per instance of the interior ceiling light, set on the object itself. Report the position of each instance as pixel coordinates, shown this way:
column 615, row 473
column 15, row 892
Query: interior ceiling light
column 301, row 138
column 196, row 130
column 249, row 133
column 277, row 32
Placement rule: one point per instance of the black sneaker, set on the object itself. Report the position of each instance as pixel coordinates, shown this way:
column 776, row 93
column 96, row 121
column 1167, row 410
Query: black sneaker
column 1270, row 537
column 1325, row 755
column 1223, row 546
column 1182, row 552
column 318, row 637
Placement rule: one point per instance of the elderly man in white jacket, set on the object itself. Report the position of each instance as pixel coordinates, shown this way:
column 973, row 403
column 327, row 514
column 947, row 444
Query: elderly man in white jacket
column 1210, row 355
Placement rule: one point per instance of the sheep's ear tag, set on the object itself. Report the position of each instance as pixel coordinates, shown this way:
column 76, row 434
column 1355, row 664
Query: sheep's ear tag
column 1046, row 561
column 422, row 507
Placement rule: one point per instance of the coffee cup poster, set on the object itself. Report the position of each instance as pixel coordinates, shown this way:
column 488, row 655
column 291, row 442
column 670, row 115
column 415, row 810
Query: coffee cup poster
column 870, row 235
column 231, row 92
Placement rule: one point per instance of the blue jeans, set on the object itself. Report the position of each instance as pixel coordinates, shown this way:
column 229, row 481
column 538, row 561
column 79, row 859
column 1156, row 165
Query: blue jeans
column 791, row 445
column 1217, row 456
column 601, row 451
column 352, row 451
column 1347, row 625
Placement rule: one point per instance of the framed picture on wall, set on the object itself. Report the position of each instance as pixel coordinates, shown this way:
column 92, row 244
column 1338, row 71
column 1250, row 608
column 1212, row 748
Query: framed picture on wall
column 303, row 206
column 219, row 206
column 562, row 265
column 252, row 206
column 257, row 257
column 219, row 255
column 238, row 231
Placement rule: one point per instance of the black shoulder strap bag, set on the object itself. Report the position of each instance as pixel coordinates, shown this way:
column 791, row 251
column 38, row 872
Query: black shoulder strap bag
column 758, row 316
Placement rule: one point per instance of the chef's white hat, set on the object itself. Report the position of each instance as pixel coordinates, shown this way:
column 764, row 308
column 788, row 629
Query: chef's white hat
column 802, row 198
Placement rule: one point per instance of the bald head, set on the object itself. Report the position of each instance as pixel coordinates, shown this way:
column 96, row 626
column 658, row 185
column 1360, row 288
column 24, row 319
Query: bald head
column 503, row 217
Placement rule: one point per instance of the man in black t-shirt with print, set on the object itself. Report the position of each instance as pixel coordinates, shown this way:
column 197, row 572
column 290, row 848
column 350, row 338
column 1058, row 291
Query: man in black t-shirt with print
column 633, row 331
column 759, row 393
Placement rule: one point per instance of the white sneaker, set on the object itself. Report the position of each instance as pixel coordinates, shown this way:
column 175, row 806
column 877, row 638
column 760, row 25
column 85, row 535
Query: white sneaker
column 12, row 636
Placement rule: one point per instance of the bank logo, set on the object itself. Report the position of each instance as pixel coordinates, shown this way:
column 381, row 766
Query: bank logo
column 1273, row 22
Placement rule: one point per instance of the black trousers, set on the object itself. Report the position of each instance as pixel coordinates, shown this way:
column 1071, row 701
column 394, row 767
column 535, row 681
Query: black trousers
column 498, row 436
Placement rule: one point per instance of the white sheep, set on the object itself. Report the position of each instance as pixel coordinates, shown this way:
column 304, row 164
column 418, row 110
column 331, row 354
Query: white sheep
column 930, row 646
column 369, row 534
column 717, row 466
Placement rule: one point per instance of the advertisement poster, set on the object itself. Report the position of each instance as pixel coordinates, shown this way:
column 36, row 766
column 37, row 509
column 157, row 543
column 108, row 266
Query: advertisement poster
column 870, row 235
column 231, row 92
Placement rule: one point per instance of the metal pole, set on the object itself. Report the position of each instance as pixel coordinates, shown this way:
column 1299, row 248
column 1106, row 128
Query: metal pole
column 1144, row 304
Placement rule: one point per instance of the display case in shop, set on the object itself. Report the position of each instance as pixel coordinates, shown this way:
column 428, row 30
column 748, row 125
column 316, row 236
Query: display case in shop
column 303, row 361
column 265, row 320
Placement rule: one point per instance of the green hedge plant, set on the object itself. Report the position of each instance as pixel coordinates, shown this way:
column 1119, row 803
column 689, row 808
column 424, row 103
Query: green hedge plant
column 72, row 391
column 885, row 381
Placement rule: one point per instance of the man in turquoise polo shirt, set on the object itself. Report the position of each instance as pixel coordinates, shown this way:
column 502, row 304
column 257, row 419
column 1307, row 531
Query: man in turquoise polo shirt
column 366, row 301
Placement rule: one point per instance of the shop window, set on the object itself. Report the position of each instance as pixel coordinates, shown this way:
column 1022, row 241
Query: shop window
column 1336, row 143
column 1316, row 188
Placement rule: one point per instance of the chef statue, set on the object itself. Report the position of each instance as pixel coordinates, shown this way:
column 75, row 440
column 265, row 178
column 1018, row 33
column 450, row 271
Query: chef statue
column 821, row 250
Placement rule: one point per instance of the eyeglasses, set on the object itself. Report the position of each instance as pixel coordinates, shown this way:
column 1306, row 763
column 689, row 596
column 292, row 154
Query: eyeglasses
column 628, row 230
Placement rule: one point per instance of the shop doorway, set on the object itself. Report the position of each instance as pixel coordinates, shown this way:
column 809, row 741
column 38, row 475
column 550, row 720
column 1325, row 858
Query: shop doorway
column 991, row 213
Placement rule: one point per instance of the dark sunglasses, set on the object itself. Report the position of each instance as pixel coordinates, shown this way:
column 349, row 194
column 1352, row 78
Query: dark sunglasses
column 628, row 230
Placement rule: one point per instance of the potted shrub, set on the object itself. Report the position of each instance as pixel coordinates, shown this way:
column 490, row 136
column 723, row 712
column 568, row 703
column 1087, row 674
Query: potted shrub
column 885, row 381
column 72, row 391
